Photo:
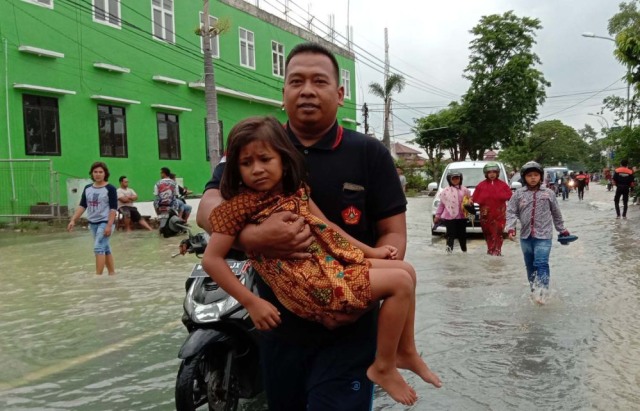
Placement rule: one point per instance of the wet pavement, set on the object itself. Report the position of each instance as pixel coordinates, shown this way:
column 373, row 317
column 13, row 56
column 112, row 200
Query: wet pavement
column 71, row 340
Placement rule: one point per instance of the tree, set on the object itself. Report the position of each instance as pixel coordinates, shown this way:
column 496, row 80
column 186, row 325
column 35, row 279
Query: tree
column 625, row 27
column 506, row 88
column 437, row 133
column 550, row 143
column 588, row 134
column 208, row 32
column 394, row 83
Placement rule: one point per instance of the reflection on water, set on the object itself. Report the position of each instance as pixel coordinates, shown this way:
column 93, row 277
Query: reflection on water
column 70, row 340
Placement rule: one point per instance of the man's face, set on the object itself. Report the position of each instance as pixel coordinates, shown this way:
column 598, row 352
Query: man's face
column 311, row 93
column 124, row 183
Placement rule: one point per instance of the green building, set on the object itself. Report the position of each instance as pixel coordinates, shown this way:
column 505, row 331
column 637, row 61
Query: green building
column 122, row 82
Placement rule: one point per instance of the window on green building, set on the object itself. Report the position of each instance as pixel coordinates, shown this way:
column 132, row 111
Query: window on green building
column 112, row 128
column 41, row 125
column 45, row 3
column 162, row 20
column 215, row 43
column 107, row 12
column 277, row 58
column 346, row 83
column 168, row 136
column 247, row 49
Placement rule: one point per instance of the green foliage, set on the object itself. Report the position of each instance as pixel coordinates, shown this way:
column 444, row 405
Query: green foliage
column 550, row 143
column 626, row 144
column 506, row 88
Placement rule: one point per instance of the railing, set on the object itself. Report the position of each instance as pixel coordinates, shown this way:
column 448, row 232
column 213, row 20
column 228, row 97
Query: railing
column 29, row 188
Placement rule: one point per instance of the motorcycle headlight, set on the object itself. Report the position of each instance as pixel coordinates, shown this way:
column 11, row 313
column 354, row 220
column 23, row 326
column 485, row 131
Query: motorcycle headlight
column 206, row 313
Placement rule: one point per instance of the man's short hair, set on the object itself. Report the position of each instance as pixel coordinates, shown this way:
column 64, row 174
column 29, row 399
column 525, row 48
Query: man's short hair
column 624, row 162
column 166, row 171
column 122, row 178
column 314, row 48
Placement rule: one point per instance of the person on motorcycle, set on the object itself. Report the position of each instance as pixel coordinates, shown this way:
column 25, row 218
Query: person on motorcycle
column 166, row 193
column 624, row 180
column 306, row 365
column 538, row 212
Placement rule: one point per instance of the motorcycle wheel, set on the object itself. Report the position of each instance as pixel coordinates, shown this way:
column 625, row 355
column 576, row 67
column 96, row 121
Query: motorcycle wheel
column 191, row 386
column 219, row 400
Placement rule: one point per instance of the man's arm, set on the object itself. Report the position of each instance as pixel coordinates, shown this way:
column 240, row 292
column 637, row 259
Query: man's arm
column 283, row 234
column 393, row 231
column 209, row 200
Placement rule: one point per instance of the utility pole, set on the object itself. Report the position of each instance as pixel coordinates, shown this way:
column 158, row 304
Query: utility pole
column 365, row 114
column 210, row 95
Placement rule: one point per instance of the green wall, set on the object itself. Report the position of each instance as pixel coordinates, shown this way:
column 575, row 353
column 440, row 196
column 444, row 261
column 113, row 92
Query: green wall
column 68, row 28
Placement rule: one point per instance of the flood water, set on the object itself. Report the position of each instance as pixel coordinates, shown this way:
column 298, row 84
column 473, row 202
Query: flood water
column 71, row 340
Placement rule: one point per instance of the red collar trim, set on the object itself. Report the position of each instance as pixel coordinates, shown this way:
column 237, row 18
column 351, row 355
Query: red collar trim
column 338, row 140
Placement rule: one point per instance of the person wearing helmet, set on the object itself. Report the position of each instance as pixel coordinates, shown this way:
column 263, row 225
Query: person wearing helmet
column 538, row 212
column 492, row 195
column 451, row 212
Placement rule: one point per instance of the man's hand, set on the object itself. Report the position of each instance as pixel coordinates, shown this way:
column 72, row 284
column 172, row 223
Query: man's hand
column 512, row 235
column 282, row 235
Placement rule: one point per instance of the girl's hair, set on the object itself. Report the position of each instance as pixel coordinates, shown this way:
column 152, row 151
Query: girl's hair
column 270, row 131
column 101, row 165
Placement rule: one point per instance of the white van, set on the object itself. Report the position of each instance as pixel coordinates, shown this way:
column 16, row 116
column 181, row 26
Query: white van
column 472, row 175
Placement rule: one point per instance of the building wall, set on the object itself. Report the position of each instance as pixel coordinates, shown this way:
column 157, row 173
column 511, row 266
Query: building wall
column 69, row 28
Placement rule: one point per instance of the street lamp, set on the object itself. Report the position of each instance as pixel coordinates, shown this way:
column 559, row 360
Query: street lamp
column 600, row 116
column 593, row 36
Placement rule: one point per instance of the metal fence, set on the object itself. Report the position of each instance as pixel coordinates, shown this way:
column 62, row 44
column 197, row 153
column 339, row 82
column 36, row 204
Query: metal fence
column 29, row 188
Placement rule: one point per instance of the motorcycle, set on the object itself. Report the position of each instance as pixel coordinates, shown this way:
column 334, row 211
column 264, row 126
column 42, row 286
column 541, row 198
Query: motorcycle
column 220, row 357
column 169, row 223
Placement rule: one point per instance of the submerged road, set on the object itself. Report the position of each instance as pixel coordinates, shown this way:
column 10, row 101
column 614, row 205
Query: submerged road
column 70, row 340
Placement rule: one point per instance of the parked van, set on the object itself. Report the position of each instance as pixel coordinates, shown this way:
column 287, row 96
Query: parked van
column 472, row 175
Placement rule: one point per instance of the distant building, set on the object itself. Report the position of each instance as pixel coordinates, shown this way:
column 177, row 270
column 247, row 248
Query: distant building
column 409, row 155
column 490, row 155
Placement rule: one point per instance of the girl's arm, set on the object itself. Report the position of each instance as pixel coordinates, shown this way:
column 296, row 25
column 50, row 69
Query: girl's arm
column 75, row 216
column 370, row 252
column 264, row 315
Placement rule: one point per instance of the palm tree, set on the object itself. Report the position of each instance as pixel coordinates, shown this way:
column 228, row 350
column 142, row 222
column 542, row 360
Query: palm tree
column 395, row 82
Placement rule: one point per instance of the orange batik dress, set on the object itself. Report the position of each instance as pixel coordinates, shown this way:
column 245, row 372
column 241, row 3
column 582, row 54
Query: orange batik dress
column 335, row 279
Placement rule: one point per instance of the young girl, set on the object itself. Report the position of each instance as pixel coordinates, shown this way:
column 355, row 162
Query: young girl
column 451, row 212
column 537, row 210
column 265, row 174
column 492, row 195
column 100, row 199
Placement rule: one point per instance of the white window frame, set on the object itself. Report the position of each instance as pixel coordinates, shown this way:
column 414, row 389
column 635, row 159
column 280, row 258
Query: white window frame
column 247, row 47
column 215, row 41
column 345, row 80
column 277, row 59
column 164, row 12
column 41, row 4
column 107, row 12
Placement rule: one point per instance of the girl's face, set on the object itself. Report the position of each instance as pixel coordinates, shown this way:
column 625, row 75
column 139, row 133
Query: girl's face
column 260, row 166
column 492, row 175
column 532, row 178
column 98, row 174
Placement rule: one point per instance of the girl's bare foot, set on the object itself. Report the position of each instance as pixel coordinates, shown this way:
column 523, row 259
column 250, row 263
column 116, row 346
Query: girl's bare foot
column 392, row 382
column 413, row 362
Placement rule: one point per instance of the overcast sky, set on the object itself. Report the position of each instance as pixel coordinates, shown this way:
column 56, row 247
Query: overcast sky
column 429, row 45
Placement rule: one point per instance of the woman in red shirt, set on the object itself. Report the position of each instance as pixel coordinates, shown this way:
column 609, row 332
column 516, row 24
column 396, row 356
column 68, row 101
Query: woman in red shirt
column 492, row 195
